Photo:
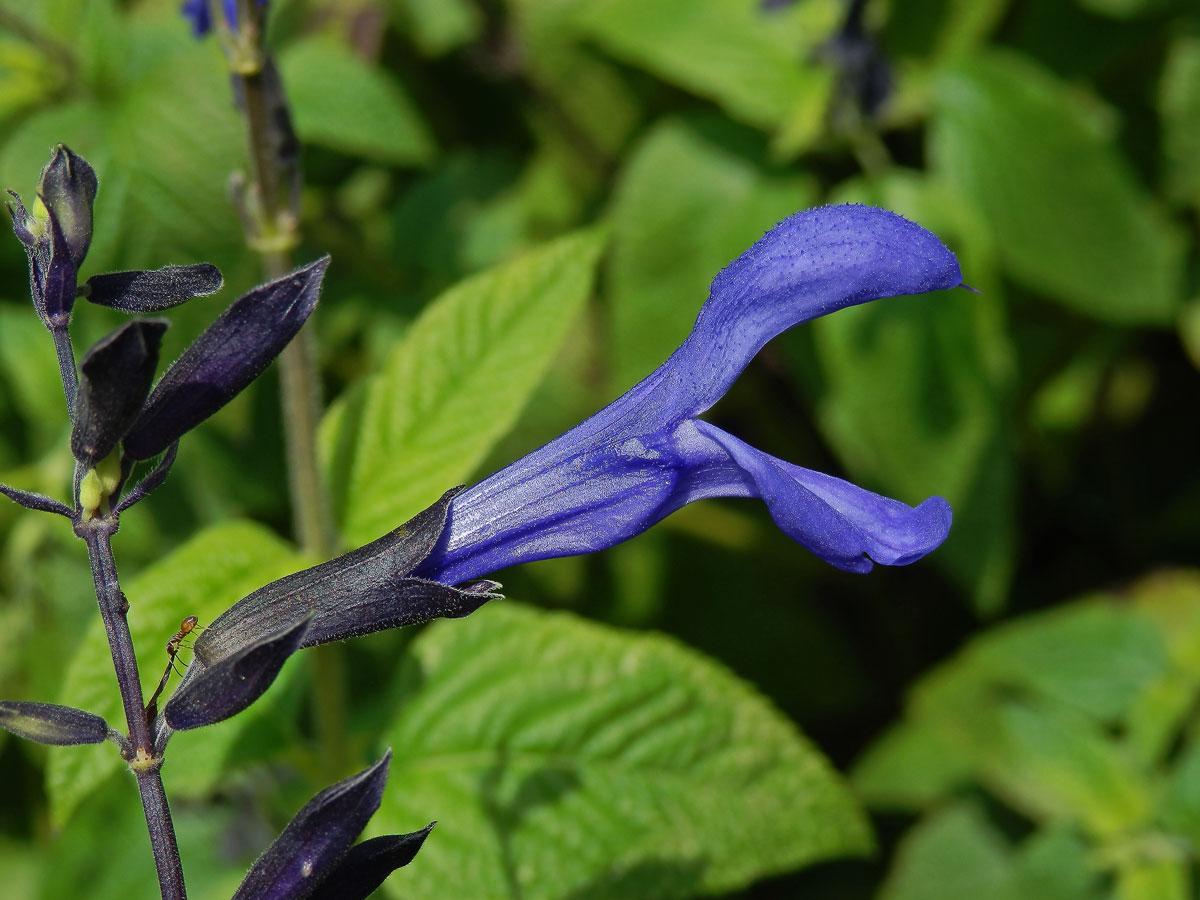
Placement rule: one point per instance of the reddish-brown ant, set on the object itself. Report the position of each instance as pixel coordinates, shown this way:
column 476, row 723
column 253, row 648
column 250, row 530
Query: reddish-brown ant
column 186, row 627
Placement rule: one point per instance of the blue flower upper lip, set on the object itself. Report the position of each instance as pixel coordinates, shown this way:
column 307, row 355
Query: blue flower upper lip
column 646, row 454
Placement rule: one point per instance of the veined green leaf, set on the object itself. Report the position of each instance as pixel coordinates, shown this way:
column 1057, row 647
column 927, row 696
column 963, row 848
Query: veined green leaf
column 606, row 765
column 454, row 386
column 1068, row 217
column 748, row 61
column 341, row 102
column 685, row 207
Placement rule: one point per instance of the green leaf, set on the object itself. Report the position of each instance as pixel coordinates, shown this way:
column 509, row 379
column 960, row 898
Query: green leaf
column 439, row 26
column 1120, row 9
column 104, row 852
column 1155, row 879
column 589, row 90
column 19, row 862
column 203, row 577
column 1058, row 864
column 162, row 192
column 454, row 385
column 955, row 853
column 925, row 28
column 341, row 102
column 1039, row 755
column 568, row 760
column 1094, row 657
column 686, row 205
column 914, row 392
column 1179, row 109
column 910, row 767
column 1068, row 217
column 751, row 63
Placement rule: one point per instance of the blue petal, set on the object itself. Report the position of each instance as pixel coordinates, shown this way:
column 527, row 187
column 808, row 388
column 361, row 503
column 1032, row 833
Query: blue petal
column 197, row 11
column 843, row 524
column 809, row 265
column 611, row 494
column 643, row 456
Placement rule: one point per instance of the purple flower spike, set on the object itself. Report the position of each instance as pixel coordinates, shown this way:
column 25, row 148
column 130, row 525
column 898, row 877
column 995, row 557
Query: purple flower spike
column 647, row 454
column 317, row 839
column 231, row 353
column 49, row 723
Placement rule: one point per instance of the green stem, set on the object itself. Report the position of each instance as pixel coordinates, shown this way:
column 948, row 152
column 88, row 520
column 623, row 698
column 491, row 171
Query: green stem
column 300, row 390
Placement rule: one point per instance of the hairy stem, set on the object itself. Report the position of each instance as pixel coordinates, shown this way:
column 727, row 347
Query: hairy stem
column 113, row 608
column 66, row 365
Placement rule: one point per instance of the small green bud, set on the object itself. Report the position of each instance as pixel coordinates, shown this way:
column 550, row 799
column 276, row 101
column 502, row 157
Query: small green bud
column 97, row 487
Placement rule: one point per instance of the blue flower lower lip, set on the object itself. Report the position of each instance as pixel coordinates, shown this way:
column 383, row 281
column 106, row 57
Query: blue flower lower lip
column 646, row 454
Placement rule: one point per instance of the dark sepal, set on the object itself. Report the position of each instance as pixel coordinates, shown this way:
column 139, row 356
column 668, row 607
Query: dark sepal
column 114, row 378
column 58, row 287
column 146, row 291
column 231, row 684
column 151, row 482
column 49, row 723
column 357, row 593
column 231, row 353
column 32, row 500
column 68, row 189
column 317, row 839
column 368, row 864
column 22, row 222
column 37, row 251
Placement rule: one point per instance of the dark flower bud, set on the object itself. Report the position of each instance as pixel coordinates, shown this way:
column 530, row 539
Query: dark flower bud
column 49, row 723
column 68, row 189
column 232, row 683
column 153, row 290
column 114, row 378
column 59, row 279
column 317, row 839
column 357, row 593
column 368, row 864
column 231, row 353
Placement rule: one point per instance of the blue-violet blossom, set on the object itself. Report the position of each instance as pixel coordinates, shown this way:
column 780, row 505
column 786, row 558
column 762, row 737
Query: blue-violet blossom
column 647, row 454
column 198, row 12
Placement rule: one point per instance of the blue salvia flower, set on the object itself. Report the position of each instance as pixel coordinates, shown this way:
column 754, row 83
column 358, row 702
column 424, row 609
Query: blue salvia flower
column 647, row 454
column 198, row 12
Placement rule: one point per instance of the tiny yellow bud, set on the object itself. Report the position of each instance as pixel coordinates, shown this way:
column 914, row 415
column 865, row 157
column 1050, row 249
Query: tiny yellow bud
column 97, row 487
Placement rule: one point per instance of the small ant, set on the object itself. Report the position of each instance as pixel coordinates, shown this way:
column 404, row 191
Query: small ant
column 186, row 627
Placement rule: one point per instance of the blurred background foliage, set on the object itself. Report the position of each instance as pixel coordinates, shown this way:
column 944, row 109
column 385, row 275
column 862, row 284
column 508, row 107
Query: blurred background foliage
column 1015, row 715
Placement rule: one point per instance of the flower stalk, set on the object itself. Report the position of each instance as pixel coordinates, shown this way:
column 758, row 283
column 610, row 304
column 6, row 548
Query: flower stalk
column 274, row 233
column 142, row 761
